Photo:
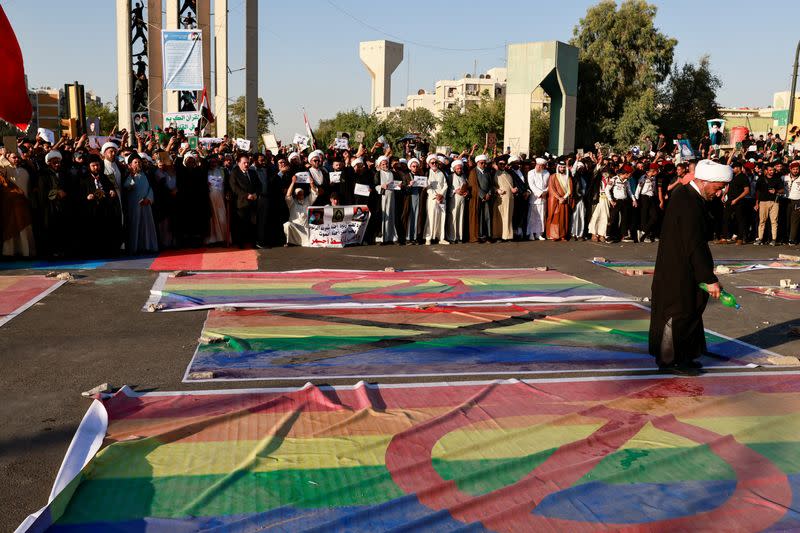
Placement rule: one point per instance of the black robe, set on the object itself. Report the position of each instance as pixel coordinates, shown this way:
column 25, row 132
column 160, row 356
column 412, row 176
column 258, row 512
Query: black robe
column 683, row 262
column 193, row 204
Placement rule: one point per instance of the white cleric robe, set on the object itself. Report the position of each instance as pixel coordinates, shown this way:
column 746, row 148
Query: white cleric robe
column 537, row 204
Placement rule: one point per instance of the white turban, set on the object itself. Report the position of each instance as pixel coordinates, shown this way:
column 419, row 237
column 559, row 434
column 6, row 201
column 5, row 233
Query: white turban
column 294, row 155
column 358, row 161
column 52, row 154
column 145, row 157
column 380, row 160
column 456, row 163
column 513, row 159
column 707, row 170
column 108, row 145
column 442, row 159
column 403, row 160
column 297, row 190
column 541, row 161
column 430, row 158
column 482, row 157
column 413, row 160
column 316, row 153
column 189, row 155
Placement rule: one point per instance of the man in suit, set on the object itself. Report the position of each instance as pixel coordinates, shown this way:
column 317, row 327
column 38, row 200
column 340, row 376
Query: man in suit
column 245, row 186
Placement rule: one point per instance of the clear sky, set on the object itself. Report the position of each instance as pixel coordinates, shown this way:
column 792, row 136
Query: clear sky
column 308, row 51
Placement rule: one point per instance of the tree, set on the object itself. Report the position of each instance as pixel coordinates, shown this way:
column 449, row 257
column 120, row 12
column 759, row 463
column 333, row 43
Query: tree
column 357, row 120
column 236, row 116
column 461, row 130
column 420, row 120
column 540, row 132
column 108, row 115
column 688, row 99
column 623, row 58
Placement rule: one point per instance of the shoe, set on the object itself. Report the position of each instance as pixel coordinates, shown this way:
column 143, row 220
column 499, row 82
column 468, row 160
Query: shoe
column 680, row 370
column 541, row 238
column 773, row 243
column 595, row 238
column 627, row 239
column 444, row 241
column 739, row 242
column 427, row 242
column 757, row 242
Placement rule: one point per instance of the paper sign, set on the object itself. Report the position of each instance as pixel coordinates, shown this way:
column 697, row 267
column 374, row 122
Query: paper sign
column 341, row 143
column 97, row 142
column 300, row 140
column 270, row 142
column 395, row 185
column 186, row 121
column 752, row 148
column 361, row 190
column 302, row 177
column 46, row 135
column 243, row 144
column 335, row 177
column 580, row 153
column 360, row 136
column 10, row 144
column 420, row 181
column 208, row 141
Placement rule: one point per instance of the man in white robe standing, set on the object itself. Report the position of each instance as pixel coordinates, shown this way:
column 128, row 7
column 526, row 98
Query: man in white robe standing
column 458, row 201
column 538, row 179
column 437, row 190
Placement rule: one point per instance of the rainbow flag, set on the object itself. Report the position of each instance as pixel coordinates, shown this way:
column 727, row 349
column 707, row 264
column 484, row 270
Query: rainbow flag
column 716, row 453
column 414, row 341
column 343, row 288
column 636, row 268
column 18, row 293
column 775, row 292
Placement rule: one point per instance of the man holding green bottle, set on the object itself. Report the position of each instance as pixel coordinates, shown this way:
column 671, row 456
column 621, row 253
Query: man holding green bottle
column 677, row 335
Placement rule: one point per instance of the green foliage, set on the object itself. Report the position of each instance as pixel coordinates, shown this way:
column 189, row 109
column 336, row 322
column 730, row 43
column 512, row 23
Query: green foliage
column 623, row 59
column 462, row 130
column 392, row 128
column 108, row 115
column 419, row 120
column 540, row 132
column 236, row 117
column 688, row 99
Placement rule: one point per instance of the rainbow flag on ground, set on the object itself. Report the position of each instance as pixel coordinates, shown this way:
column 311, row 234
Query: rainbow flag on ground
column 775, row 291
column 625, row 454
column 636, row 268
column 415, row 341
column 353, row 288
column 18, row 293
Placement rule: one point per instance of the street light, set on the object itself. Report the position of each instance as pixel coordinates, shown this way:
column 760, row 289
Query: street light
column 790, row 119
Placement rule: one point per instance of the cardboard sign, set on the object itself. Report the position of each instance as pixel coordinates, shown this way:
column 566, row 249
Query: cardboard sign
column 270, row 142
column 360, row 136
column 361, row 190
column 302, row 177
column 491, row 140
column 419, row 181
column 335, row 177
column 336, row 226
column 341, row 143
column 185, row 121
column 300, row 140
column 243, row 144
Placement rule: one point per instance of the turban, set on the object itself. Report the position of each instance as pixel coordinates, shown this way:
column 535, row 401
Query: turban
column 145, row 157
column 315, row 153
column 456, row 163
column 380, row 160
column 294, row 155
column 53, row 154
column 442, row 159
column 714, row 172
column 482, row 157
column 358, row 161
column 513, row 159
column 626, row 169
column 189, row 155
column 412, row 160
column 297, row 190
column 403, row 160
column 108, row 145
column 795, row 163
column 541, row 161
column 431, row 158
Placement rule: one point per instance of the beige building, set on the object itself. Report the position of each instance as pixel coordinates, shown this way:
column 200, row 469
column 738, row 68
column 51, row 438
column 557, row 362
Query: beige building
column 46, row 104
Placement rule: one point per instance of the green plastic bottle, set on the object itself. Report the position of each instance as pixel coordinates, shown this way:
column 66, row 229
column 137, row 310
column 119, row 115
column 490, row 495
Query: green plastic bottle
column 727, row 299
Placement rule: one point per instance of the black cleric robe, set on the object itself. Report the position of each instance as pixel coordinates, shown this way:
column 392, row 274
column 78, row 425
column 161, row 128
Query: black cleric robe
column 683, row 262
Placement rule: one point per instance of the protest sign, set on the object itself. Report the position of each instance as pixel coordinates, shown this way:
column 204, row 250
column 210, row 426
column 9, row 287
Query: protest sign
column 93, row 126
column 182, row 60
column 360, row 136
column 394, row 185
column 341, row 143
column 491, row 140
column 270, row 142
column 301, row 141
column 140, row 121
column 336, row 226
column 685, row 147
column 186, row 121
column 46, row 135
column 361, row 190
column 209, row 141
column 716, row 129
column 335, row 177
column 243, row 144
column 302, row 177
column 419, row 181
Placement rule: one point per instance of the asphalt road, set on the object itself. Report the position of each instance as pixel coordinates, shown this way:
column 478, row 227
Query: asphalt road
column 92, row 331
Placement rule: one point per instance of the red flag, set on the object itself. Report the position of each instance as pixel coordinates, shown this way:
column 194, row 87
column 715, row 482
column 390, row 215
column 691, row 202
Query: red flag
column 15, row 107
column 205, row 108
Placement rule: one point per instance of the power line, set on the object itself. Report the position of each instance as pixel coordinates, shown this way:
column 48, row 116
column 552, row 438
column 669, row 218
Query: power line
column 402, row 40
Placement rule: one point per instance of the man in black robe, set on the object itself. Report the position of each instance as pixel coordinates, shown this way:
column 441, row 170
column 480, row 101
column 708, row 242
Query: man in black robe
column 677, row 336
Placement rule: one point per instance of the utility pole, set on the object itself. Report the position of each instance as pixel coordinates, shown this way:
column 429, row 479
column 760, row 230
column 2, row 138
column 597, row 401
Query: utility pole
column 792, row 93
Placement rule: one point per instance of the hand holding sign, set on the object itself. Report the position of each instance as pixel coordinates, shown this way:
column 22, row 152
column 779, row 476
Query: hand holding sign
column 335, row 177
column 302, row 177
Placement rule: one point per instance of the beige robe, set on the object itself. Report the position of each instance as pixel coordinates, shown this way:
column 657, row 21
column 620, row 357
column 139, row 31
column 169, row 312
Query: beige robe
column 503, row 207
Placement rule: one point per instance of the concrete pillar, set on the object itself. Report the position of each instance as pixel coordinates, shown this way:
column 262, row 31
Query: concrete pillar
column 155, row 76
column 381, row 59
column 220, row 107
column 204, row 25
column 172, row 24
column 124, row 65
column 251, row 71
column 552, row 65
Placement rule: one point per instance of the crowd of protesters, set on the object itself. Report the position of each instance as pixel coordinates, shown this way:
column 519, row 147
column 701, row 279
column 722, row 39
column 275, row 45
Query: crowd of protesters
column 153, row 192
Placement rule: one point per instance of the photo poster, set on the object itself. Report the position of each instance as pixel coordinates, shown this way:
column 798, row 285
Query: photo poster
column 270, row 142
column 685, row 149
column 186, row 121
column 243, row 144
column 93, row 126
column 491, row 140
column 335, row 176
column 182, row 52
column 46, row 135
column 716, row 130
column 301, row 141
column 336, row 226
column 140, row 121
column 341, row 143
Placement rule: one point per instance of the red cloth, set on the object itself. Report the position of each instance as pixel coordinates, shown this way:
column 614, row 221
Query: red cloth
column 15, row 107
